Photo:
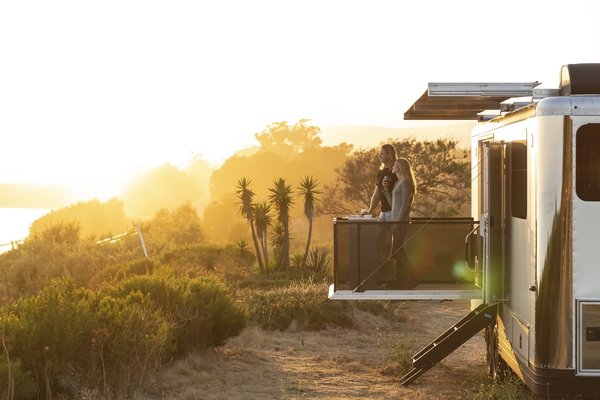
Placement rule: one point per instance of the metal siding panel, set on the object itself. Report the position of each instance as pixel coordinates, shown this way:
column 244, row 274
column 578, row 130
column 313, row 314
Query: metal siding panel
column 586, row 248
column 554, row 305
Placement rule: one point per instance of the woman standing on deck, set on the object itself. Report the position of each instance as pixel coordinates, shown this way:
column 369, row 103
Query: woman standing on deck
column 402, row 197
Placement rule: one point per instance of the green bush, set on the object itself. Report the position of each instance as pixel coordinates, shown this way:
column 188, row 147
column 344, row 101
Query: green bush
column 49, row 332
column 130, row 338
column 21, row 380
column 202, row 310
column 509, row 388
column 304, row 302
column 212, row 317
column 198, row 255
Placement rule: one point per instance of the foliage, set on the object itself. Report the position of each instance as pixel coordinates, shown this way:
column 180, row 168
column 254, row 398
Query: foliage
column 318, row 260
column 402, row 353
column 442, row 172
column 281, row 138
column 49, row 332
column 163, row 187
column 200, row 308
column 510, row 388
column 354, row 183
column 245, row 196
column 173, row 227
column 200, row 256
column 112, row 338
column 308, row 190
column 285, row 151
column 262, row 221
column 130, row 338
column 304, row 302
column 60, row 232
column 282, row 199
column 16, row 380
column 92, row 218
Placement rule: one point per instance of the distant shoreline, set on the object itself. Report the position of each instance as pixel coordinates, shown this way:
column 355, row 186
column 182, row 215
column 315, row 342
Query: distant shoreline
column 15, row 223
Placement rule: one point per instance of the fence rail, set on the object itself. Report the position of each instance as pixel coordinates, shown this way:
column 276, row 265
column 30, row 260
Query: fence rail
column 13, row 245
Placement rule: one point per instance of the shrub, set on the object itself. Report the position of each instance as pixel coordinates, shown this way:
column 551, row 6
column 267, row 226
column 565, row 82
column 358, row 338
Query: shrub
column 212, row 315
column 49, row 332
column 202, row 311
column 130, row 337
column 305, row 302
column 200, row 256
column 22, row 384
column 509, row 388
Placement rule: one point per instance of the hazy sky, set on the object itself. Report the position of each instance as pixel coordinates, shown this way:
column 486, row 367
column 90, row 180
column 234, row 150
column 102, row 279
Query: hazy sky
column 97, row 91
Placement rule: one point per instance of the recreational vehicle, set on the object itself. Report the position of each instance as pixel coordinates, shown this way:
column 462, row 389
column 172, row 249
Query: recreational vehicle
column 528, row 256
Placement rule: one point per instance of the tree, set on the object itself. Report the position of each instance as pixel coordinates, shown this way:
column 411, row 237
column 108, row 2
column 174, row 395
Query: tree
column 95, row 218
column 283, row 139
column 163, row 187
column 246, row 196
column 441, row 169
column 354, row 185
column 262, row 221
column 281, row 198
column 308, row 190
column 180, row 226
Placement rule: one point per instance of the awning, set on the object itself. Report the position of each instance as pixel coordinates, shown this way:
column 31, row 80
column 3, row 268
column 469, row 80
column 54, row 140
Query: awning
column 464, row 101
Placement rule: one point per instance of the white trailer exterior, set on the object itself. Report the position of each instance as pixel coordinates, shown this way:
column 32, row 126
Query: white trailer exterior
column 535, row 246
column 538, row 182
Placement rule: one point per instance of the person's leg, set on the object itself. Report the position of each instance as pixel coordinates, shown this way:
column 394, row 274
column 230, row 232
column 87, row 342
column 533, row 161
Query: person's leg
column 405, row 276
column 385, row 264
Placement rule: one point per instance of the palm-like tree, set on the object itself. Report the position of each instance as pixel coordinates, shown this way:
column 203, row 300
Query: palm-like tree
column 281, row 199
column 246, row 197
column 262, row 221
column 277, row 240
column 308, row 190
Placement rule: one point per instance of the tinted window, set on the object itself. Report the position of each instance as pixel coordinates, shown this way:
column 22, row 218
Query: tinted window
column 518, row 179
column 587, row 168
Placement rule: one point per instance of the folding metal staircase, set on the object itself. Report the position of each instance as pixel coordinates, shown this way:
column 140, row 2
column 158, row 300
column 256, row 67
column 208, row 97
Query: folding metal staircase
column 481, row 317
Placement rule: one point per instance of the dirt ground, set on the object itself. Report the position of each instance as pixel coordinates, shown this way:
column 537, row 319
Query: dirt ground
column 336, row 363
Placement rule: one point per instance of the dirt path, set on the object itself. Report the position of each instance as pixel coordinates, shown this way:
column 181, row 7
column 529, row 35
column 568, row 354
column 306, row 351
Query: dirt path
column 332, row 364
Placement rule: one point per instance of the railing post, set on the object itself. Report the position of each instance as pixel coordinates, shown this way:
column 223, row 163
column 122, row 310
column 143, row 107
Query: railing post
column 142, row 240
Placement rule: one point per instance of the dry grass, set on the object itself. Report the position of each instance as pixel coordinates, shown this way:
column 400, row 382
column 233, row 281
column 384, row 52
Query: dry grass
column 335, row 363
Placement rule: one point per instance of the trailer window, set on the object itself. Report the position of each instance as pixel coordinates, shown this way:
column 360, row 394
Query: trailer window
column 518, row 179
column 587, row 168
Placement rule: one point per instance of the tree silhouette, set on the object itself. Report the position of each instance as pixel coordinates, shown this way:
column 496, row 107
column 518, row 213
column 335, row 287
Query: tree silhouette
column 281, row 198
column 262, row 221
column 308, row 190
column 246, row 196
column 441, row 169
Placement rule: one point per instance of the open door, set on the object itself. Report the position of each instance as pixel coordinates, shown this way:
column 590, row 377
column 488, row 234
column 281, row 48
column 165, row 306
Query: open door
column 492, row 220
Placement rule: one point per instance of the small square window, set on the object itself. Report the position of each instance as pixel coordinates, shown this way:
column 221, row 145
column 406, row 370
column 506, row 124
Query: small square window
column 587, row 168
column 518, row 179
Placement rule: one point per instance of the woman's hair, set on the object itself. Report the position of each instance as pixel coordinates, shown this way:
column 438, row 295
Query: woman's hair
column 406, row 171
column 390, row 150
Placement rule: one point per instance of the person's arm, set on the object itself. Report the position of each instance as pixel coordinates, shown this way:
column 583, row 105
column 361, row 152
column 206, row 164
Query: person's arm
column 374, row 202
column 401, row 198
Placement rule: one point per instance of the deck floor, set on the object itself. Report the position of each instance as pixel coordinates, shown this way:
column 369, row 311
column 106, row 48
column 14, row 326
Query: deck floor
column 423, row 291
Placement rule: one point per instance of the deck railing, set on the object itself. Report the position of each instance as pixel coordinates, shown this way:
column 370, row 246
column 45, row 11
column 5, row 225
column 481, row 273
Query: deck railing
column 364, row 258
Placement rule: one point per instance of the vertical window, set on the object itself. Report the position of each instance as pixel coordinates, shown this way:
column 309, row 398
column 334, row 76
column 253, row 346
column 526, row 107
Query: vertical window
column 587, row 167
column 518, row 179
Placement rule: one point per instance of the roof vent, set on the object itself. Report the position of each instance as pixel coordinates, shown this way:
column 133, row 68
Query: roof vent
column 580, row 79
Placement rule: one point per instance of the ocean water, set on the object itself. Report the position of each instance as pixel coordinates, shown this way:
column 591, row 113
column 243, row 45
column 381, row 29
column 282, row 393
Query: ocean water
column 15, row 222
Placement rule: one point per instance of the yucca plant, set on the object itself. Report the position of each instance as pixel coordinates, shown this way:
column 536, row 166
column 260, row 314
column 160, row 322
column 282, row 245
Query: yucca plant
column 308, row 189
column 246, row 196
column 318, row 260
column 281, row 198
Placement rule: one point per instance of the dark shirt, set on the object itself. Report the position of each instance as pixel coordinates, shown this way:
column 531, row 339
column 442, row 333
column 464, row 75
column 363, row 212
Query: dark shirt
column 385, row 204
